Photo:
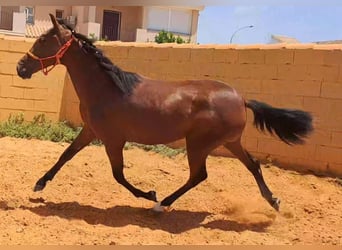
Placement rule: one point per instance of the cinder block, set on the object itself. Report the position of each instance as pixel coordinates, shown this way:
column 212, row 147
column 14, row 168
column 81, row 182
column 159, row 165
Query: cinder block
column 179, row 54
column 11, row 92
column 303, row 88
column 10, row 57
column 288, row 101
column 137, row 53
column 334, row 116
column 19, row 46
column 329, row 154
column 161, row 67
column 279, row 56
column 39, row 94
column 6, row 80
column 331, row 90
column 219, row 55
column 200, row 55
column 24, row 83
column 336, row 139
column 247, row 85
column 334, row 169
column 332, row 57
column 212, row 70
column 239, row 71
column 326, row 114
column 322, row 72
column 4, row 45
column 339, row 78
column 8, row 68
column 16, row 104
column 137, row 66
column 117, row 52
column 251, row 56
column 291, row 72
column 309, row 56
column 225, row 55
column 302, row 165
column 158, row 54
column 46, row 105
column 277, row 147
column 321, row 137
column 264, row 72
column 317, row 105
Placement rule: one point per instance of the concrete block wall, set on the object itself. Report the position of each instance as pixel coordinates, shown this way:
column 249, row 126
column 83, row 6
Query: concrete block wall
column 38, row 95
column 301, row 76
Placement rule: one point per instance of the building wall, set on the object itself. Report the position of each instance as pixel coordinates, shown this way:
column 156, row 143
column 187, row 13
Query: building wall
column 42, row 12
column 6, row 16
column 302, row 76
column 147, row 34
column 131, row 19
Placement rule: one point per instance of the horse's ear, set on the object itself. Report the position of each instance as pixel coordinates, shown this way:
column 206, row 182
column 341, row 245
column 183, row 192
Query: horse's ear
column 54, row 21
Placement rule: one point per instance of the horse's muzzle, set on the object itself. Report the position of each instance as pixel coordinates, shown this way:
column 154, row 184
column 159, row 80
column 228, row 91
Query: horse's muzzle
column 23, row 72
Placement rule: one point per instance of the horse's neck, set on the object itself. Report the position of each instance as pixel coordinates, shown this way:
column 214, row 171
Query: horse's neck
column 87, row 76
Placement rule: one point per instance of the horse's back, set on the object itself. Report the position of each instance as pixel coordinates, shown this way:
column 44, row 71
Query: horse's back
column 178, row 108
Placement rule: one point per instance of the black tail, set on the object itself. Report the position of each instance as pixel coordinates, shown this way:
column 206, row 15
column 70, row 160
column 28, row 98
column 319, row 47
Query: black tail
column 291, row 126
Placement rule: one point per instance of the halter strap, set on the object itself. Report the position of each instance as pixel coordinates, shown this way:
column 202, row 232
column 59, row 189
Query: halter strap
column 59, row 54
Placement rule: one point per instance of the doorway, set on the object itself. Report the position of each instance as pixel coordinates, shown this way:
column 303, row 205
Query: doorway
column 111, row 25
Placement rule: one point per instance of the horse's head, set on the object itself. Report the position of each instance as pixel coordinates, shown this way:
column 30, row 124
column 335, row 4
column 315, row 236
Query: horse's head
column 47, row 50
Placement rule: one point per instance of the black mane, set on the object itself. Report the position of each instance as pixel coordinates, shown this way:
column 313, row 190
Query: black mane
column 125, row 81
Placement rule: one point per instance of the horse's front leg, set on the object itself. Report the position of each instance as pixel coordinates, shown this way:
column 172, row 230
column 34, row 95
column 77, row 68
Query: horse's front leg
column 82, row 140
column 115, row 155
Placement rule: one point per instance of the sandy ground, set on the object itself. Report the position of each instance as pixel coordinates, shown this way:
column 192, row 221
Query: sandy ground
column 84, row 204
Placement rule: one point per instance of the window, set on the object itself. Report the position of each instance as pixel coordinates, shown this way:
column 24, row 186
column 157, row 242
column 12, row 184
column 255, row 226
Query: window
column 169, row 19
column 59, row 14
column 29, row 12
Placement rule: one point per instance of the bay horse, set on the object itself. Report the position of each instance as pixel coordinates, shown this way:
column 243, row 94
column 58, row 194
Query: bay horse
column 118, row 106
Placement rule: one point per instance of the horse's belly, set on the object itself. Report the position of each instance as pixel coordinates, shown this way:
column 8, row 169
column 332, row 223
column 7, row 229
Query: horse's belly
column 156, row 135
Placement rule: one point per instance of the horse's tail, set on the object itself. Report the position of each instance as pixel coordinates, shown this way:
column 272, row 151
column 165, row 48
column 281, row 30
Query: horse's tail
column 290, row 125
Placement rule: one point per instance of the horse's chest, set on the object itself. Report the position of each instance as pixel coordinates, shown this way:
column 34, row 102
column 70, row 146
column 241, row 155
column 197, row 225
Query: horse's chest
column 102, row 115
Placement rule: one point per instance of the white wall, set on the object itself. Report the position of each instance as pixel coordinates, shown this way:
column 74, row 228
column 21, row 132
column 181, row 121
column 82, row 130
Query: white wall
column 168, row 18
column 19, row 22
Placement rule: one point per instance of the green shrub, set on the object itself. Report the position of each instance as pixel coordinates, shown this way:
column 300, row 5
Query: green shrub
column 168, row 37
column 38, row 128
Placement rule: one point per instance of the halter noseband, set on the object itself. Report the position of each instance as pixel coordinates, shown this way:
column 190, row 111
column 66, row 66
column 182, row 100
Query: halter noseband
column 59, row 54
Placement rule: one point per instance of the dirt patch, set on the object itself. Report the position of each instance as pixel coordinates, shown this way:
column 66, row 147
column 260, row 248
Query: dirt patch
column 84, row 205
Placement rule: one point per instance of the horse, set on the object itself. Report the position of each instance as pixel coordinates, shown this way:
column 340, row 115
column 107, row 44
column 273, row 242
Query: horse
column 117, row 106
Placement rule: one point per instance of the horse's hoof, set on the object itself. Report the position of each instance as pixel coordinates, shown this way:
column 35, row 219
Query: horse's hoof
column 152, row 195
column 275, row 203
column 159, row 208
column 38, row 187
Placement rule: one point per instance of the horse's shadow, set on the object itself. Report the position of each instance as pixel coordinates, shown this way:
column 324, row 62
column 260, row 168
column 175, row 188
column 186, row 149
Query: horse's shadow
column 175, row 221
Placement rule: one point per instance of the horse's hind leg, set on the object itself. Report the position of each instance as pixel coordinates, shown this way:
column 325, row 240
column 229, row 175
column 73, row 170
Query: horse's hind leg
column 114, row 152
column 82, row 140
column 198, row 173
column 254, row 167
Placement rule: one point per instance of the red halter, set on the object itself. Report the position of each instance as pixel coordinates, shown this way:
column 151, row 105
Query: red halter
column 59, row 54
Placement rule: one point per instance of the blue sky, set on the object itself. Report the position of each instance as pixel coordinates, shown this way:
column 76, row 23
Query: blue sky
column 318, row 21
